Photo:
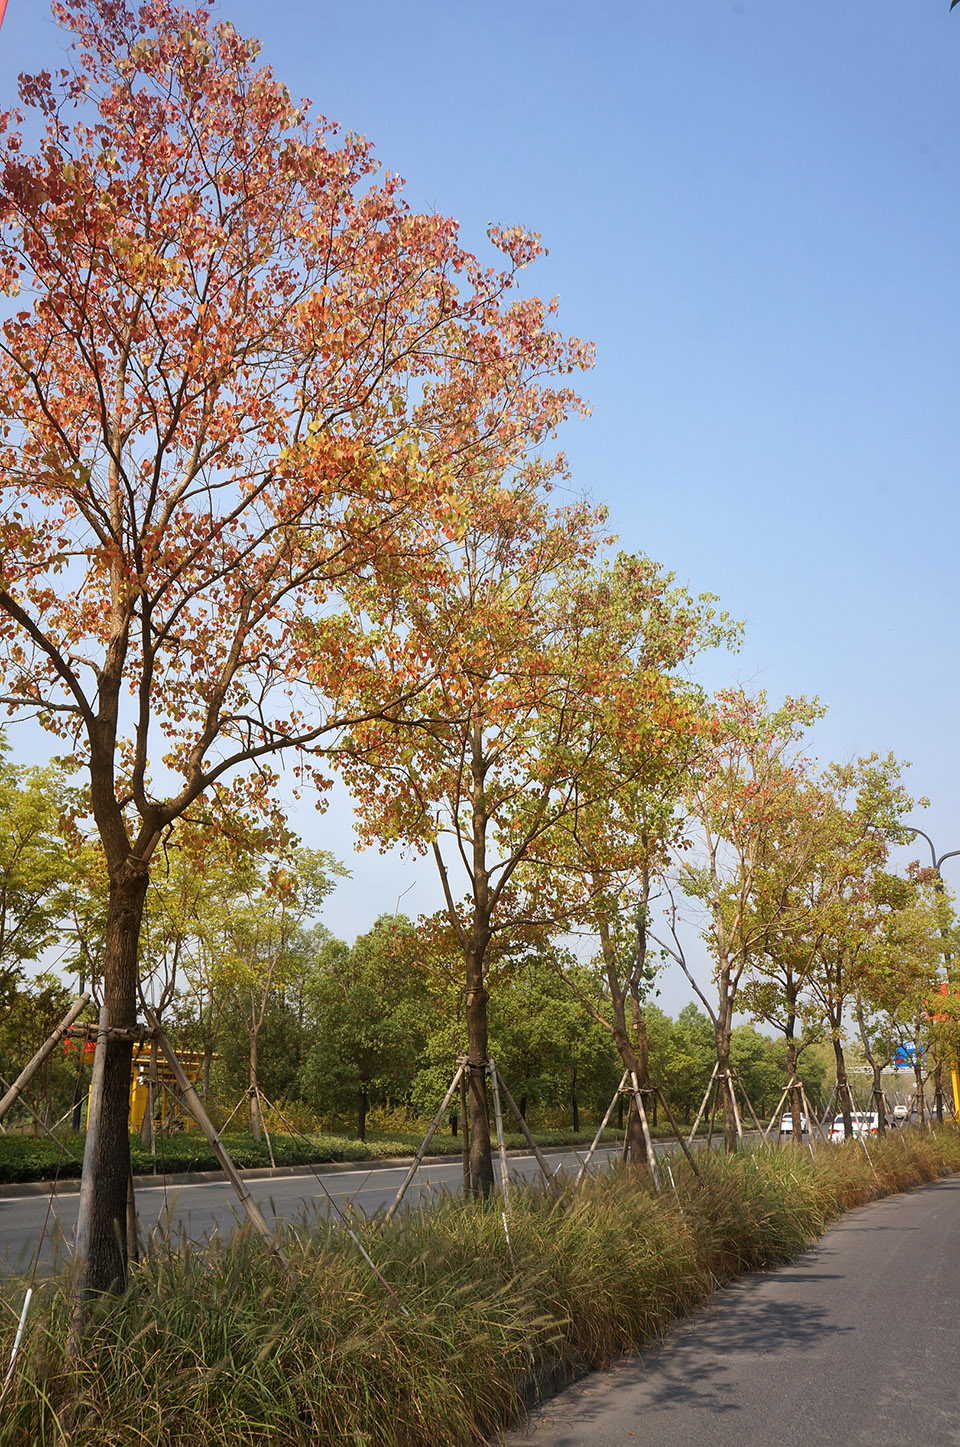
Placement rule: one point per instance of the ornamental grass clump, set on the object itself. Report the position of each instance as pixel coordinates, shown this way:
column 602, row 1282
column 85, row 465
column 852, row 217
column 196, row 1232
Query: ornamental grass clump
column 755, row 1209
column 219, row 1344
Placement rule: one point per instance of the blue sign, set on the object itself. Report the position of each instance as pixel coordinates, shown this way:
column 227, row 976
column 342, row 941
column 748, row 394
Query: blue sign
column 905, row 1057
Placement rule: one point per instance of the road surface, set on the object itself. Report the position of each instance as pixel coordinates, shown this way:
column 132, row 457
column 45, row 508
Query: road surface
column 197, row 1208
column 856, row 1343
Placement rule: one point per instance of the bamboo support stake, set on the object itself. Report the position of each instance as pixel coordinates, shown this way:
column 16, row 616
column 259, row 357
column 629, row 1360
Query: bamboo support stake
column 651, row 1157
column 811, row 1114
column 834, row 1103
column 676, row 1130
column 888, row 1110
column 703, row 1105
column 133, row 1245
column 464, row 1136
column 541, row 1160
column 777, row 1109
column 149, row 1114
column 814, row 1116
column 45, row 1051
column 263, row 1125
column 674, row 1185
column 434, row 1124
column 501, row 1145
column 85, row 1206
column 603, row 1125
column 713, row 1112
column 47, row 1130
column 193, row 1103
column 725, row 1082
column 16, row 1342
column 753, row 1113
column 345, row 1220
column 736, row 1110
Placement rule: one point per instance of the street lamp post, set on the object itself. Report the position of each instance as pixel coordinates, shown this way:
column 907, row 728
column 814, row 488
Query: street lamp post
column 950, row 854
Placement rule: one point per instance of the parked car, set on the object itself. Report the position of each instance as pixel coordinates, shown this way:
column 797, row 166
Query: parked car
column 786, row 1124
column 864, row 1122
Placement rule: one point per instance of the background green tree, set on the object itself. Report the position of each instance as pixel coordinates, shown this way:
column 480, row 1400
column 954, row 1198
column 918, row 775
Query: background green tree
column 370, row 1017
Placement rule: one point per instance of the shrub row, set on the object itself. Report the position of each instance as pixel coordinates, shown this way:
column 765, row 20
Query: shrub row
column 29, row 1158
column 219, row 1344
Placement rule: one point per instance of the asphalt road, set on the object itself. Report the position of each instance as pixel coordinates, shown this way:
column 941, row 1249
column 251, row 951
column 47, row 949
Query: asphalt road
column 198, row 1208
column 858, row 1342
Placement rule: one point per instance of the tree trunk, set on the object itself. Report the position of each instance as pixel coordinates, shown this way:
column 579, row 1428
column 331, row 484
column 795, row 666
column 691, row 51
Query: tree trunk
column 475, row 992
column 362, row 1114
column 876, row 1067
column 796, row 1093
column 634, row 1060
column 481, row 1154
column 255, row 1129
column 643, row 1049
column 843, row 1089
column 731, row 1136
column 918, row 1079
column 878, row 1097
column 106, row 1264
column 795, row 1101
column 573, row 1100
column 638, row 1146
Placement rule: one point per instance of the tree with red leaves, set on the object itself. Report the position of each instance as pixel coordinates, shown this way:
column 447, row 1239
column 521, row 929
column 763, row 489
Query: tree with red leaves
column 244, row 378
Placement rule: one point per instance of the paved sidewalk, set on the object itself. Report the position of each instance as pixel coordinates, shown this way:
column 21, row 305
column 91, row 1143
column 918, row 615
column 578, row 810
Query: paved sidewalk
column 854, row 1345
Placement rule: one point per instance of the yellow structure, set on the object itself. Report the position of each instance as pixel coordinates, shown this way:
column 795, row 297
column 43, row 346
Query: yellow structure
column 174, row 1115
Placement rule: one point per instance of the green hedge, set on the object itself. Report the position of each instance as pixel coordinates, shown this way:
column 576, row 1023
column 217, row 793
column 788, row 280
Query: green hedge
column 25, row 1158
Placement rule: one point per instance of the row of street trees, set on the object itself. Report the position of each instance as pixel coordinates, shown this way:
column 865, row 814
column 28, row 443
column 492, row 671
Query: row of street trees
column 233, row 952
column 355, row 1029
column 807, row 925
column 249, row 397
column 276, row 456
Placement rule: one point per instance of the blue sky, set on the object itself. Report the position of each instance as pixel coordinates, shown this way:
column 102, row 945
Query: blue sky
column 752, row 209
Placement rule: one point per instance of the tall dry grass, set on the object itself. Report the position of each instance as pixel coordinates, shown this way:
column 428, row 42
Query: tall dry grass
column 219, row 1345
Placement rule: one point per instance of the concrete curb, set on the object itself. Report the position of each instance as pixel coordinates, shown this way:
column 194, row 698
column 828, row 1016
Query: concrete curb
column 71, row 1185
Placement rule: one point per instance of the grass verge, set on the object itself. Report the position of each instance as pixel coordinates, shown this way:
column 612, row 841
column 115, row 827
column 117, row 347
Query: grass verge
column 219, row 1345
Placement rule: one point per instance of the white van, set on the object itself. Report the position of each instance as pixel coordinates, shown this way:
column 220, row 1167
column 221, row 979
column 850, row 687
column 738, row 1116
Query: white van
column 864, row 1122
